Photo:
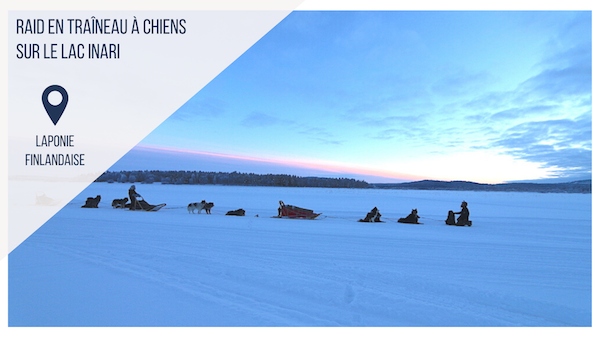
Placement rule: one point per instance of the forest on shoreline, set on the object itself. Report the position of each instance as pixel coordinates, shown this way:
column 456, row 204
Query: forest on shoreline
column 284, row 180
column 223, row 178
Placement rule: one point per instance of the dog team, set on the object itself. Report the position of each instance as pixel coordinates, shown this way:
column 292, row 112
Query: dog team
column 197, row 207
column 463, row 220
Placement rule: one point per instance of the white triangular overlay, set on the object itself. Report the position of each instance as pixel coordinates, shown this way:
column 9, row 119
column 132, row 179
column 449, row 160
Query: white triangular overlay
column 113, row 103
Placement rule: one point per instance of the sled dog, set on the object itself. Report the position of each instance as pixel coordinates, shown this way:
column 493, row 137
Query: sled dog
column 200, row 206
column 119, row 203
column 372, row 216
column 195, row 206
column 238, row 212
column 411, row 218
column 92, row 202
column 207, row 206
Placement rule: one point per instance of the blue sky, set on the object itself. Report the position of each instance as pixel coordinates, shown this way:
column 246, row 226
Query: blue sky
column 391, row 96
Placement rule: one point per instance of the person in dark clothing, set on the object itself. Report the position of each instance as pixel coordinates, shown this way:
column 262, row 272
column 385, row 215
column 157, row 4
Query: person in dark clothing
column 463, row 219
column 133, row 195
column 138, row 202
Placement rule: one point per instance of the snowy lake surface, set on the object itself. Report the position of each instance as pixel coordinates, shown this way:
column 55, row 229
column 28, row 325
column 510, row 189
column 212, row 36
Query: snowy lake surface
column 526, row 261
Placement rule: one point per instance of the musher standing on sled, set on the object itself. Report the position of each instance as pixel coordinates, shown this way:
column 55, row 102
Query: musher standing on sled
column 133, row 195
column 141, row 204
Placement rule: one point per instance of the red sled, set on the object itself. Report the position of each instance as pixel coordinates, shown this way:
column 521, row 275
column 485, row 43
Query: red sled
column 290, row 211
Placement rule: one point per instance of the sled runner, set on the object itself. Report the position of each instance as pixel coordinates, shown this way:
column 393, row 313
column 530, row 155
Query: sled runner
column 290, row 211
column 145, row 206
column 156, row 207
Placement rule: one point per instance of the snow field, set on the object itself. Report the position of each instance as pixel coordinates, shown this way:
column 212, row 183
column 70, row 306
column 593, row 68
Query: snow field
column 526, row 261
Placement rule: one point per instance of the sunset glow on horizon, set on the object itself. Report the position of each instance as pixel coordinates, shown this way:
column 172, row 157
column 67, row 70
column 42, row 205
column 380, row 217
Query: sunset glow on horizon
column 327, row 167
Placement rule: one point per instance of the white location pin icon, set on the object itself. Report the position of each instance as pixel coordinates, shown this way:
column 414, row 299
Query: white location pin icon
column 55, row 112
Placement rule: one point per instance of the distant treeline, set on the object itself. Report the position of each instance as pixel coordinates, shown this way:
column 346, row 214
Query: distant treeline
column 222, row 178
column 584, row 186
column 273, row 180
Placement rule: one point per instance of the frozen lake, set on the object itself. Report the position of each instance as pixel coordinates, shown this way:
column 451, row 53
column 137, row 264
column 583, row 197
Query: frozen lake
column 526, row 261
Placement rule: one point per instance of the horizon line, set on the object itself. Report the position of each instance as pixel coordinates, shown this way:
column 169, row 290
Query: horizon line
column 315, row 165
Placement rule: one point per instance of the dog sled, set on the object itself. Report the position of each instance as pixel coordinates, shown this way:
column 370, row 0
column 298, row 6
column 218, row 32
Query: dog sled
column 294, row 212
column 141, row 204
column 138, row 202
